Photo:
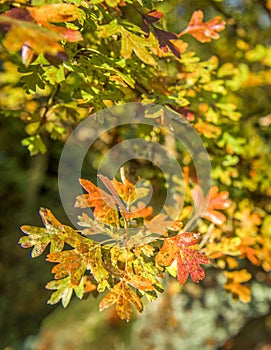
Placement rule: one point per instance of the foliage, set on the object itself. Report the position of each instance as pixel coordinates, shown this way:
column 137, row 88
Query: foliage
column 79, row 57
column 129, row 265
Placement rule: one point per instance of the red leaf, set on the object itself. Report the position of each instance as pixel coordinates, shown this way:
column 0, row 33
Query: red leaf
column 204, row 31
column 189, row 259
column 188, row 262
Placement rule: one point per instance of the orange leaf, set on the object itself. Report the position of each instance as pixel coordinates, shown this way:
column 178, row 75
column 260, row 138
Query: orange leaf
column 188, row 262
column 167, row 254
column 139, row 282
column 233, row 284
column 57, row 13
column 216, row 201
column 71, row 263
column 123, row 297
column 104, row 203
column 204, row 31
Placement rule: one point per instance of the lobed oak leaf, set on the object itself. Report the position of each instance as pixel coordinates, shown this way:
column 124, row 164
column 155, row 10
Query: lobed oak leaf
column 39, row 237
column 247, row 247
column 104, row 204
column 149, row 18
column 57, row 13
column 111, row 187
column 30, row 30
column 146, row 249
column 139, row 282
column 123, row 296
column 216, row 201
column 233, row 284
column 204, row 31
column 188, row 262
column 126, row 190
column 22, row 33
column 158, row 224
column 70, row 263
column 164, row 38
column 131, row 42
column 64, row 291
column 165, row 41
column 189, row 258
column 167, row 254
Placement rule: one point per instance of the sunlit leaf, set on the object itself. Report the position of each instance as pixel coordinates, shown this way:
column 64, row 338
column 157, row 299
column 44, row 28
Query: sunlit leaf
column 216, row 201
column 167, row 254
column 123, row 296
column 204, row 31
column 39, row 237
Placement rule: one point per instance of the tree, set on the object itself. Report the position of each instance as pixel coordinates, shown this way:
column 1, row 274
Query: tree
column 63, row 61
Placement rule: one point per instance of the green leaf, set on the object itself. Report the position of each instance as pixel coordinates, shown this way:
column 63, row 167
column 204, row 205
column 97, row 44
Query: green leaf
column 63, row 292
column 34, row 144
column 131, row 42
column 32, row 128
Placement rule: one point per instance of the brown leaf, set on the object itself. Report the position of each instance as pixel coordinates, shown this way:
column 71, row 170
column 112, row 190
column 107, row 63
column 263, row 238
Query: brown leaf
column 164, row 39
column 149, row 18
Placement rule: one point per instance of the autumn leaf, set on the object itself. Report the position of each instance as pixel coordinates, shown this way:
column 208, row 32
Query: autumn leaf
column 40, row 40
column 159, row 224
column 64, row 290
column 149, row 18
column 111, row 187
column 57, row 13
column 189, row 259
column 165, row 41
column 104, row 204
column 70, row 263
column 204, row 31
column 167, row 254
column 182, row 248
column 29, row 29
column 39, row 237
column 139, row 282
column 233, row 284
column 164, row 38
column 123, row 296
column 216, row 201
column 139, row 212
